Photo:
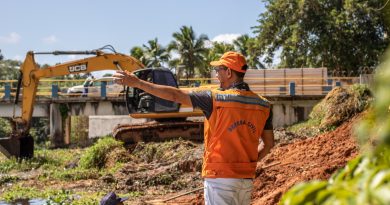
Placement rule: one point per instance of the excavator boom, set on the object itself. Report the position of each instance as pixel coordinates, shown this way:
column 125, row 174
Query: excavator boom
column 32, row 74
column 171, row 117
column 20, row 143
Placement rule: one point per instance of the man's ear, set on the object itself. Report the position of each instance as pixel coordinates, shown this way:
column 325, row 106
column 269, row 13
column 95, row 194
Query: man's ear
column 230, row 73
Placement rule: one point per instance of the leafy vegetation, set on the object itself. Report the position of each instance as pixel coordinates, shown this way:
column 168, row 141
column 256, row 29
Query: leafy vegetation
column 154, row 54
column 190, row 48
column 339, row 35
column 58, row 168
column 5, row 127
column 54, row 197
column 9, row 70
column 366, row 179
column 45, row 159
column 96, row 155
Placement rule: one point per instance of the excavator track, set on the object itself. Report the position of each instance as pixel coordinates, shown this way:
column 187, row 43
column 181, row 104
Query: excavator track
column 159, row 131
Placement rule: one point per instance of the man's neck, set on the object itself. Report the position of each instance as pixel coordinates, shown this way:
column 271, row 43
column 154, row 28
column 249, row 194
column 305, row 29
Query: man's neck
column 232, row 84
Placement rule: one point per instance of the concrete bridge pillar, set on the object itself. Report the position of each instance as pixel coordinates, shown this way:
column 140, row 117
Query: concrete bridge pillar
column 56, row 125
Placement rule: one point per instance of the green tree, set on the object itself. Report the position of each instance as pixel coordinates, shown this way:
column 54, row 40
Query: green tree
column 155, row 54
column 341, row 35
column 241, row 44
column 220, row 48
column 9, row 69
column 138, row 53
column 191, row 50
column 247, row 47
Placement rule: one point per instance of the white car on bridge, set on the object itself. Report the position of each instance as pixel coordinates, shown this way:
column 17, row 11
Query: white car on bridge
column 112, row 89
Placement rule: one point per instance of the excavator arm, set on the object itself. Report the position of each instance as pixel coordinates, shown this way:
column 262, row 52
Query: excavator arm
column 31, row 74
column 171, row 116
column 20, row 143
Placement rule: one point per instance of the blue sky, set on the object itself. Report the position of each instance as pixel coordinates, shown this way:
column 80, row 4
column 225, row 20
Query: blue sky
column 44, row 25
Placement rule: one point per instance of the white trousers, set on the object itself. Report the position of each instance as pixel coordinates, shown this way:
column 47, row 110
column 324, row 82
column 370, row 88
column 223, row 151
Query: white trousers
column 227, row 191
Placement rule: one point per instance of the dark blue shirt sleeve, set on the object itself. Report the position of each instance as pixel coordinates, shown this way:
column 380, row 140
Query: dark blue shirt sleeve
column 202, row 100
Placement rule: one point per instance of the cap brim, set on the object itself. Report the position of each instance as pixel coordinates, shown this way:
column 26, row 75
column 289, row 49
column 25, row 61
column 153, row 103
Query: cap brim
column 216, row 63
column 123, row 199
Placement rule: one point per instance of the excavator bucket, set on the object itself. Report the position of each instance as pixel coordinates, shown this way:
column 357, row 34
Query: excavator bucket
column 17, row 144
column 19, row 147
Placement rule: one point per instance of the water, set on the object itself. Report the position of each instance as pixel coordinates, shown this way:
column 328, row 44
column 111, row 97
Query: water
column 25, row 202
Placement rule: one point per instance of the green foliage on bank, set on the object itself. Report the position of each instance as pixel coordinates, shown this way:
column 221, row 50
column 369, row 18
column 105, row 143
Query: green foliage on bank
column 51, row 196
column 366, row 179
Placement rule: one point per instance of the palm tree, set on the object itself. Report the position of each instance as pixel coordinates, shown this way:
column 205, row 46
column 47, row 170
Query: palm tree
column 155, row 54
column 220, row 48
column 241, row 44
column 138, row 53
column 245, row 45
column 191, row 49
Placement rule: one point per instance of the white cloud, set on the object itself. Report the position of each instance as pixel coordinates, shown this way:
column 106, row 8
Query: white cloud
column 12, row 38
column 226, row 38
column 50, row 39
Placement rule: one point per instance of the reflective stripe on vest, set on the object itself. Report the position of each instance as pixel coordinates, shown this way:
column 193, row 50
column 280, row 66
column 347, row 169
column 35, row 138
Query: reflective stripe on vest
column 241, row 99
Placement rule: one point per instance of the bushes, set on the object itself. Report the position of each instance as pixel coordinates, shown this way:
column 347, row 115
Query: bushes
column 5, row 127
column 95, row 156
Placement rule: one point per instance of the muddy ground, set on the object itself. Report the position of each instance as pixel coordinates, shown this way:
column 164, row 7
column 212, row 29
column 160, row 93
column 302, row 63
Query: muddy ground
column 294, row 159
column 156, row 173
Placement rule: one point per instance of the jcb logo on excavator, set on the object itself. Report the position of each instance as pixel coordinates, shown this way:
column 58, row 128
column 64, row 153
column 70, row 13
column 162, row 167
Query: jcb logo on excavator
column 77, row 68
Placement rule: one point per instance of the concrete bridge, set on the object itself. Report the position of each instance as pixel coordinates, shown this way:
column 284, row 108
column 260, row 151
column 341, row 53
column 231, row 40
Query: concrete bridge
column 105, row 113
column 291, row 103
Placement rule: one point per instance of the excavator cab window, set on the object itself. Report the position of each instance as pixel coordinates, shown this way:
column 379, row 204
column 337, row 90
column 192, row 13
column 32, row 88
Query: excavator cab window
column 144, row 102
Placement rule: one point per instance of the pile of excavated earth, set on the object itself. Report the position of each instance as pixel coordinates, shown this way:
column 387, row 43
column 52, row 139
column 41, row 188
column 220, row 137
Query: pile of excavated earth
column 298, row 158
column 301, row 160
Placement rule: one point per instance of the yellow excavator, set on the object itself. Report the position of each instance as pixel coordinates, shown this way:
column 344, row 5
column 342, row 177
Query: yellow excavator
column 170, row 117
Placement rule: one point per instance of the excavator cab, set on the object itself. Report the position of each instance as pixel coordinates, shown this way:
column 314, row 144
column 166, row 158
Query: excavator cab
column 139, row 101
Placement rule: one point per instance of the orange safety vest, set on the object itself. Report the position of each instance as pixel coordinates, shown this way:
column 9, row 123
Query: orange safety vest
column 232, row 134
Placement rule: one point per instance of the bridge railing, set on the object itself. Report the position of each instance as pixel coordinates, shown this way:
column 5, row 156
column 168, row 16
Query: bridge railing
column 281, row 86
column 53, row 88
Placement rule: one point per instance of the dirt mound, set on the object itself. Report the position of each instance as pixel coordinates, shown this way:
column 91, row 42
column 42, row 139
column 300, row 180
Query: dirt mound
column 303, row 160
column 295, row 161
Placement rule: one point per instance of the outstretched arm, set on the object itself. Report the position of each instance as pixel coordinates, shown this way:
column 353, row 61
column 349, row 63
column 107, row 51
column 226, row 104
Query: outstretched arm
column 161, row 91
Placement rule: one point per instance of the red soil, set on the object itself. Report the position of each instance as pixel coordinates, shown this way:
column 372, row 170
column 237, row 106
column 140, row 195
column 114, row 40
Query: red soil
column 303, row 160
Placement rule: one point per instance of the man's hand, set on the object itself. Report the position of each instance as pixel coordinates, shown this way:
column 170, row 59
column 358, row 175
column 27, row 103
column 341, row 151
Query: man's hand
column 126, row 78
column 268, row 139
